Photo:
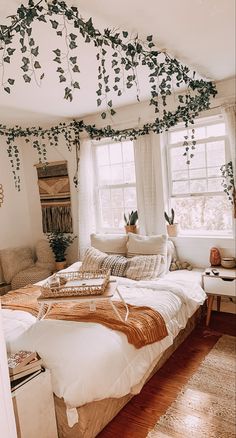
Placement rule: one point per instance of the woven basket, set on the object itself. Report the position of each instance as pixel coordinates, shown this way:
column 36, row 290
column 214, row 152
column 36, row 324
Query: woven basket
column 75, row 284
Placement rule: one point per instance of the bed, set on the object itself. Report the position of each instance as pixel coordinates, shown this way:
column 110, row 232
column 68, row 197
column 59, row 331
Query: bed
column 95, row 371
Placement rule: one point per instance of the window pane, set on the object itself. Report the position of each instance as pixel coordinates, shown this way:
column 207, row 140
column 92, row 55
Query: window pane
column 105, row 198
column 216, row 153
column 198, row 185
column 102, row 155
column 118, row 221
column 197, row 173
column 117, row 173
column 178, row 161
column 216, row 130
column 198, row 160
column 214, row 185
column 117, row 197
column 179, row 174
column 107, row 217
column 200, row 132
column 180, row 187
column 130, row 198
column 203, row 213
column 128, row 151
column 104, row 175
column 115, row 153
column 129, row 173
column 214, row 171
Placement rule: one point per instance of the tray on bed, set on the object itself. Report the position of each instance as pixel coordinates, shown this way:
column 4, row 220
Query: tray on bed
column 75, row 284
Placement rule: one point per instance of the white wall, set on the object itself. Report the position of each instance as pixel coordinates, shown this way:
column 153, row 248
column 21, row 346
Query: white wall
column 20, row 215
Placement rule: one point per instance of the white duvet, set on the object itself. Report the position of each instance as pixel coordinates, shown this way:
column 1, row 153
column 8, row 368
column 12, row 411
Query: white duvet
column 91, row 362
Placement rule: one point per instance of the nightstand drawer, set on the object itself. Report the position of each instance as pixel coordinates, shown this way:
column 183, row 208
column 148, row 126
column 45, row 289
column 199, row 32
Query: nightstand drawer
column 220, row 286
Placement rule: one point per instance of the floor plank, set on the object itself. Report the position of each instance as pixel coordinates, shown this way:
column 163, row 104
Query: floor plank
column 140, row 415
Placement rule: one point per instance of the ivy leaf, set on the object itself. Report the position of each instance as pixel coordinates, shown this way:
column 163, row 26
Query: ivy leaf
column 54, row 24
column 113, row 112
column 42, row 18
column 11, row 81
column 31, row 42
column 7, row 89
column 7, row 59
column 10, row 51
column 125, row 34
column 60, row 70
column 73, row 36
column 59, row 33
column 99, row 102
column 57, row 52
column 37, row 65
column 62, row 78
column 76, row 85
column 73, row 59
column 76, row 69
column 109, row 103
column 27, row 78
column 103, row 115
column 57, row 59
column 23, row 49
column 35, row 51
column 72, row 45
column 149, row 38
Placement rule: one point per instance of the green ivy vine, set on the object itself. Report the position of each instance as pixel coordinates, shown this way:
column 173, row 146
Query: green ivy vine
column 118, row 52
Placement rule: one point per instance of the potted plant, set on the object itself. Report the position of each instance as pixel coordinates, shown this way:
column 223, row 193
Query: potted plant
column 130, row 222
column 59, row 242
column 172, row 227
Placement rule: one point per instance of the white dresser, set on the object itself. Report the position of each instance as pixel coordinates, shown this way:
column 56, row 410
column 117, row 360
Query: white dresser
column 34, row 408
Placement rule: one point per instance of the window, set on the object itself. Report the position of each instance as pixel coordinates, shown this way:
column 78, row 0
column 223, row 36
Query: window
column 196, row 193
column 115, row 183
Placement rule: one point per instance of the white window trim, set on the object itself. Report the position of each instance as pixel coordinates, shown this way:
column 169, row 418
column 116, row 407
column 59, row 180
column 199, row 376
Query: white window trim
column 99, row 227
column 211, row 120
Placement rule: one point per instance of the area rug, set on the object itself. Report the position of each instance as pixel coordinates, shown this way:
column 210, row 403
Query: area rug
column 205, row 407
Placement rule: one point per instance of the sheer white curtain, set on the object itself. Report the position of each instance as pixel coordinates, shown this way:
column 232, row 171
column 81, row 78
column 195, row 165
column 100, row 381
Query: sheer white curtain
column 149, row 182
column 86, row 196
column 229, row 113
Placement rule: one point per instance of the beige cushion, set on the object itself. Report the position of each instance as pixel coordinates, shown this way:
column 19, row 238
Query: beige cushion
column 44, row 254
column 144, row 267
column 14, row 260
column 148, row 245
column 29, row 276
column 110, row 243
column 95, row 259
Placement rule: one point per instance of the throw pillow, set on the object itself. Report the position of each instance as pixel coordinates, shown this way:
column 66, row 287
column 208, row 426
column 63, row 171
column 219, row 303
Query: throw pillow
column 44, row 254
column 14, row 260
column 148, row 245
column 144, row 267
column 171, row 254
column 110, row 243
column 95, row 259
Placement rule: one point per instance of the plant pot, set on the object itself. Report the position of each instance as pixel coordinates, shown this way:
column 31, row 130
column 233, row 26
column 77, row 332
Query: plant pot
column 60, row 265
column 131, row 229
column 172, row 230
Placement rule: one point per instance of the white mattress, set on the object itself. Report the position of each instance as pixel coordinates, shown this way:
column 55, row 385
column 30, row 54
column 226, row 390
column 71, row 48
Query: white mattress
column 90, row 362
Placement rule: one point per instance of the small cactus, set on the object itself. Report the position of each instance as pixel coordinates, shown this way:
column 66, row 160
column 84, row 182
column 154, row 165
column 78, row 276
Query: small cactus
column 132, row 218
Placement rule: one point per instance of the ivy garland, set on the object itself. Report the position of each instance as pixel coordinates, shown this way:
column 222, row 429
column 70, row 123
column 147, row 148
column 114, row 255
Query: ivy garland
column 118, row 51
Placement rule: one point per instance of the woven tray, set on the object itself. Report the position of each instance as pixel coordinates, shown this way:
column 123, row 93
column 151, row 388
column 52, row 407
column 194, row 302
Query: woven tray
column 75, row 284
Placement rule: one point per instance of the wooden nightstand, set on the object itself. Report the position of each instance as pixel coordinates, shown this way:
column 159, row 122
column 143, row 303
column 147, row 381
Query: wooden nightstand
column 223, row 284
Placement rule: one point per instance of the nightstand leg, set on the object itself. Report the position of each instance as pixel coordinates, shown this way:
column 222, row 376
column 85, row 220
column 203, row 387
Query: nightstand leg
column 218, row 303
column 209, row 308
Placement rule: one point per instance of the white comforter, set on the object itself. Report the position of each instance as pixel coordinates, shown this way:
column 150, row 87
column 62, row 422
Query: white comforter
column 91, row 362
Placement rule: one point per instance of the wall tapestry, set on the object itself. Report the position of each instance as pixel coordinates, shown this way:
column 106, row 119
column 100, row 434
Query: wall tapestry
column 54, row 191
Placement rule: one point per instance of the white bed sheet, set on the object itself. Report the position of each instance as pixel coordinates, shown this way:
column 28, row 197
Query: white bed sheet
column 91, row 362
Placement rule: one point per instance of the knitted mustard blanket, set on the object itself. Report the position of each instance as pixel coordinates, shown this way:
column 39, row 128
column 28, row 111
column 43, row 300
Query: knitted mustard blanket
column 144, row 325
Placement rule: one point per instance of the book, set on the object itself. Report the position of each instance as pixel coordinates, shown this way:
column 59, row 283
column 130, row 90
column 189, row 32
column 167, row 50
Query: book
column 34, row 363
column 20, row 382
column 16, row 361
column 25, row 373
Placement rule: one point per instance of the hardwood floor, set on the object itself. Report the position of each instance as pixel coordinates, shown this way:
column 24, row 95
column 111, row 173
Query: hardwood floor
column 140, row 415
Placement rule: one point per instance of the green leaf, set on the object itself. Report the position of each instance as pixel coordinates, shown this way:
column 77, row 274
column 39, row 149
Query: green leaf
column 7, row 59
column 99, row 102
column 62, row 78
column 35, row 51
column 54, row 24
column 10, row 51
column 57, row 52
column 76, row 85
column 7, row 89
column 37, row 65
column 11, row 81
column 27, row 78
column 125, row 34
column 103, row 115
column 73, row 59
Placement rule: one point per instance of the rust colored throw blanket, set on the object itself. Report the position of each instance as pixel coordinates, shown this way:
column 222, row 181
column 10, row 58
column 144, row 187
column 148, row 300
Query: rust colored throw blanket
column 144, row 325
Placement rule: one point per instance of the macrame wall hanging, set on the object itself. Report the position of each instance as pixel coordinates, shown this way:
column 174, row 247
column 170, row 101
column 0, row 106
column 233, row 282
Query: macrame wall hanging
column 54, row 191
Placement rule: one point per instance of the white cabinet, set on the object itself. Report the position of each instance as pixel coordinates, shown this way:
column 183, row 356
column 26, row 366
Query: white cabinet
column 34, row 408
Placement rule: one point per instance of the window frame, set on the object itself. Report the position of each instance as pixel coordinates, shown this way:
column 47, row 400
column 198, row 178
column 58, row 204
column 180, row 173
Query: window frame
column 97, row 187
column 201, row 122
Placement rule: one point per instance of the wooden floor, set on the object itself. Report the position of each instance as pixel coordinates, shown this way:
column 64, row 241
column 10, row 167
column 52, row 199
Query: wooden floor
column 140, row 415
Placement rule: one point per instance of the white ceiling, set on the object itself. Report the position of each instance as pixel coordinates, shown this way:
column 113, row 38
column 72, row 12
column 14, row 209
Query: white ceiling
column 201, row 33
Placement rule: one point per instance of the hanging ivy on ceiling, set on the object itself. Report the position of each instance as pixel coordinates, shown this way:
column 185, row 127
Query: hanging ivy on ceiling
column 119, row 56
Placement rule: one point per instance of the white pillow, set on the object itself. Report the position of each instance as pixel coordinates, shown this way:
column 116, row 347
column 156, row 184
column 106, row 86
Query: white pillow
column 171, row 254
column 148, row 245
column 144, row 267
column 110, row 243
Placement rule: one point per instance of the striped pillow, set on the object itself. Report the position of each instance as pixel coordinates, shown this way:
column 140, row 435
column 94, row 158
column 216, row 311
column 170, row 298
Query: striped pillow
column 148, row 245
column 95, row 259
column 144, row 267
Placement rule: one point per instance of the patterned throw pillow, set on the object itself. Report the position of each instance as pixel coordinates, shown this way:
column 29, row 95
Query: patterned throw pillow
column 95, row 259
column 144, row 267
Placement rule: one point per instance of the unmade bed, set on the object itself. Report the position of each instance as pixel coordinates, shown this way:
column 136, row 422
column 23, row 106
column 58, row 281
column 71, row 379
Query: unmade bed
column 95, row 371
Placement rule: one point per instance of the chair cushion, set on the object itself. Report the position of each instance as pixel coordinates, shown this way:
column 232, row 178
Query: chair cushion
column 14, row 260
column 29, row 276
column 44, row 254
